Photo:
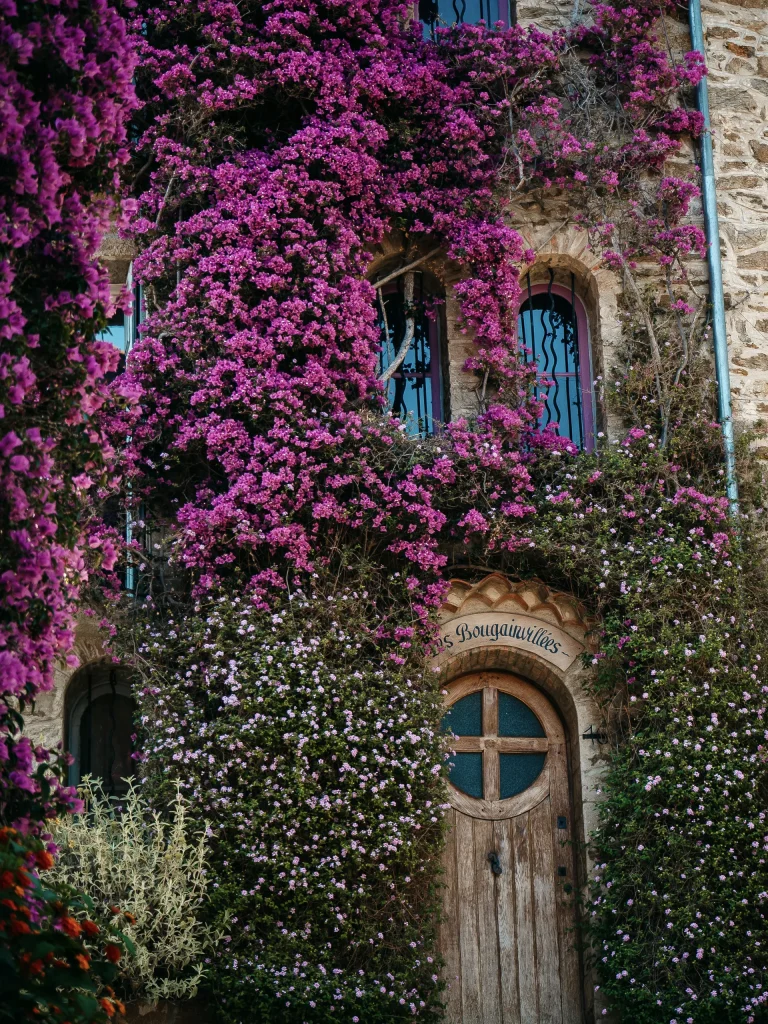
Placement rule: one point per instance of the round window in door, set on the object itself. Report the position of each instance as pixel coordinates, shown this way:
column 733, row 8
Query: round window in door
column 503, row 733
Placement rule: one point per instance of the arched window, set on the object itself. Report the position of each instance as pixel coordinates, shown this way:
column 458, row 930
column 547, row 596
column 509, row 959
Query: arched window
column 450, row 12
column 100, row 712
column 553, row 331
column 414, row 389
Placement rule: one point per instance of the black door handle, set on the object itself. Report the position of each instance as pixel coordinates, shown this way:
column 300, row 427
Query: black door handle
column 496, row 867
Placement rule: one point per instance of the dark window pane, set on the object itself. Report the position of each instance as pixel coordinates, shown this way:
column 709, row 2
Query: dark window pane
column 413, row 391
column 466, row 773
column 518, row 771
column 547, row 330
column 465, row 718
column 105, row 741
column 516, row 718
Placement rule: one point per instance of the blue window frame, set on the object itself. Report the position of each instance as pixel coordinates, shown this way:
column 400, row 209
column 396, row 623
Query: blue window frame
column 414, row 390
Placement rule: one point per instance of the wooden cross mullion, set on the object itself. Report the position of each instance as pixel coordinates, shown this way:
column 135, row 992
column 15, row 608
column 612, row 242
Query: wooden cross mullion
column 490, row 744
column 491, row 779
column 502, row 744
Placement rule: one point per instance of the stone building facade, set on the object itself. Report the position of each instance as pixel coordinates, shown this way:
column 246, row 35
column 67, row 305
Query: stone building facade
column 737, row 57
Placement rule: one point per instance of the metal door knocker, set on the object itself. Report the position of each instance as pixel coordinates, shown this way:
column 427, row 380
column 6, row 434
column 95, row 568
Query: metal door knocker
column 493, row 857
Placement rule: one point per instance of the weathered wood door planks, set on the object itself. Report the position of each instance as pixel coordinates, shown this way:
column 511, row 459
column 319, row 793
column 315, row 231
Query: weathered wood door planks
column 507, row 930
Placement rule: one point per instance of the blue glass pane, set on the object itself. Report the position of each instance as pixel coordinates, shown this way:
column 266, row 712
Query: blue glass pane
column 517, row 772
column 547, row 331
column 465, row 717
column 115, row 332
column 466, row 773
column 516, row 718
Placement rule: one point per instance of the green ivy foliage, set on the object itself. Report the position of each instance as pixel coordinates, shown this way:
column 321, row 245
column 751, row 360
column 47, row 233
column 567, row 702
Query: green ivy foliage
column 677, row 909
column 316, row 755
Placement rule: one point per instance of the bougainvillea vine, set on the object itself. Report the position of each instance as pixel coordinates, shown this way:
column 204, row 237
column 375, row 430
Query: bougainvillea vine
column 67, row 94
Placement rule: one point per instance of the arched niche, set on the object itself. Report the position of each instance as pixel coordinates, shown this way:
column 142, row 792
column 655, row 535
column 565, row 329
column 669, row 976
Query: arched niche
column 99, row 712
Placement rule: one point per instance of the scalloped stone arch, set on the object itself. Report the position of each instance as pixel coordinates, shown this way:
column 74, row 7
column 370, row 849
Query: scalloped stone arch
column 497, row 593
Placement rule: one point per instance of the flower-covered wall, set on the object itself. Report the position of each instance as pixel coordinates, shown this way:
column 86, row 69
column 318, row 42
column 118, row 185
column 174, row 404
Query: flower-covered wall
column 292, row 545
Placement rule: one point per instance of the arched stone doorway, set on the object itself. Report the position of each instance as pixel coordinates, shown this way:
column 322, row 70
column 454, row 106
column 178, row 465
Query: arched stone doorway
column 522, row 791
column 99, row 726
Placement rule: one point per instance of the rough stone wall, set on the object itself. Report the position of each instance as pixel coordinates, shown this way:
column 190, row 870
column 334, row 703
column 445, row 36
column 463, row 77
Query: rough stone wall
column 737, row 56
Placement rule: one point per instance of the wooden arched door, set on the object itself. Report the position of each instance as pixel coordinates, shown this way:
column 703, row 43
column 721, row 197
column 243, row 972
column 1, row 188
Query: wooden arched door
column 507, row 930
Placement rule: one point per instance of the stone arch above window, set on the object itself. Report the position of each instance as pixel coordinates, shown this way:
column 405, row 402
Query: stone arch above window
column 553, row 331
column 99, row 726
column 410, row 317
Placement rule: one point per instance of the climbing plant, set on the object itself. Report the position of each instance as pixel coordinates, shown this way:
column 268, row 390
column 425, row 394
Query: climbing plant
column 298, row 541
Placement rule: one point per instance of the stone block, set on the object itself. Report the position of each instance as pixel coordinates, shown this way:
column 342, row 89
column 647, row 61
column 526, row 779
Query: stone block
column 736, row 181
column 762, row 66
column 759, row 150
column 721, row 32
column 756, row 362
column 738, row 66
column 749, row 238
column 740, row 49
column 753, row 261
column 730, row 98
column 113, row 247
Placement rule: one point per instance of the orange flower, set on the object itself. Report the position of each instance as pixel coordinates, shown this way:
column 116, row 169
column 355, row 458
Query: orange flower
column 70, row 927
column 113, row 952
column 6, row 880
column 120, row 1006
column 90, row 928
column 20, row 928
column 108, row 1007
column 115, row 910
column 44, row 860
column 83, row 962
column 36, row 967
column 129, row 917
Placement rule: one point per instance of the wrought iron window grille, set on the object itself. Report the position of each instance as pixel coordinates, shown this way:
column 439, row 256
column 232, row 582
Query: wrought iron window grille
column 458, row 12
column 553, row 334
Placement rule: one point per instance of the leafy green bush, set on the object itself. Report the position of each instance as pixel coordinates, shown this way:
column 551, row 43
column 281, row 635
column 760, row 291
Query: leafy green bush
column 155, row 870
column 317, row 758
column 58, row 956
column 680, row 894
